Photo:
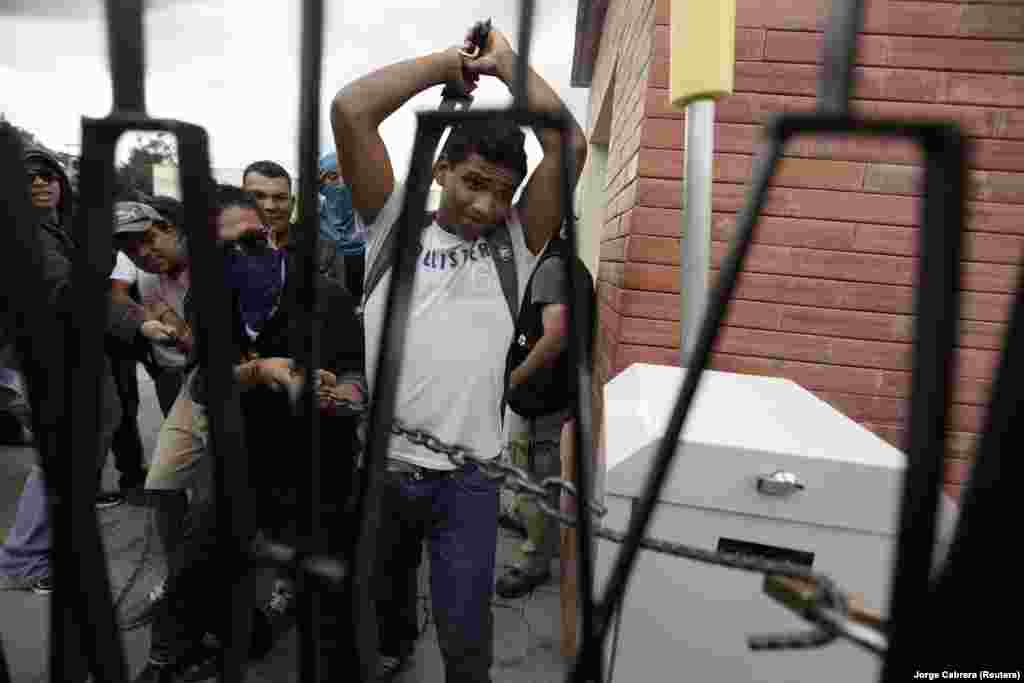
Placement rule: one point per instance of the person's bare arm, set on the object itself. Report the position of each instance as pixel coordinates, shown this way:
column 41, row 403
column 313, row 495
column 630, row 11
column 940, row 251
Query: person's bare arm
column 361, row 106
column 540, row 207
column 555, row 318
column 120, row 294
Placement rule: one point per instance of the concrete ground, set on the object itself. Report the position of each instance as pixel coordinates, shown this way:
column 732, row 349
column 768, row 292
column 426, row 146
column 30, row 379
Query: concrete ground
column 526, row 630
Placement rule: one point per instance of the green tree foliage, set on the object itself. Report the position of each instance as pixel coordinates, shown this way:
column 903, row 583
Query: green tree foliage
column 135, row 176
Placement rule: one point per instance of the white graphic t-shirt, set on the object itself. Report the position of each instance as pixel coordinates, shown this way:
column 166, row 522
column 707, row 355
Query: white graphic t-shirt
column 124, row 269
column 456, row 342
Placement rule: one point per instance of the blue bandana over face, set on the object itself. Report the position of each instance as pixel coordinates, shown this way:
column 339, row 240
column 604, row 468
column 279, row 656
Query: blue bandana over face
column 337, row 220
column 258, row 279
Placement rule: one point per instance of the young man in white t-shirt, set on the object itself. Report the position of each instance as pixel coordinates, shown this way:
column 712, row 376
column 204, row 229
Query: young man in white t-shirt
column 458, row 333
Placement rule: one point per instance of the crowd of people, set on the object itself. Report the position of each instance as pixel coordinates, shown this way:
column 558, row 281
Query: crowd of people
column 475, row 249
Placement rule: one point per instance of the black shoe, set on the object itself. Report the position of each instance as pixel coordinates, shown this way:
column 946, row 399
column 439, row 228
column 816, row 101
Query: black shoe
column 509, row 521
column 43, row 585
column 143, row 611
column 13, row 431
column 516, row 583
column 200, row 664
column 157, row 673
column 272, row 620
column 389, row 666
column 109, row 499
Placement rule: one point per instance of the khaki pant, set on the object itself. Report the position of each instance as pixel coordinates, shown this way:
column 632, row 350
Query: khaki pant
column 180, row 461
column 534, row 447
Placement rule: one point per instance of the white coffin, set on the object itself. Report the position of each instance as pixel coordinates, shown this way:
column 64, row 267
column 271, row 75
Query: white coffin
column 684, row 621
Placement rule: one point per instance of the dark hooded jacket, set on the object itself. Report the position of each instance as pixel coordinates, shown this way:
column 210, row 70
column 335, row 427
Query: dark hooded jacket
column 59, row 250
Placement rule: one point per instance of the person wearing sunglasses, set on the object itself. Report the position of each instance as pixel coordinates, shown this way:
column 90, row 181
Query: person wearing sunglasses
column 25, row 555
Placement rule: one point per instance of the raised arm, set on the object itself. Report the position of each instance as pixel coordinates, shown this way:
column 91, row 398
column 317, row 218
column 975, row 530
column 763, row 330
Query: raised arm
column 540, row 207
column 361, row 106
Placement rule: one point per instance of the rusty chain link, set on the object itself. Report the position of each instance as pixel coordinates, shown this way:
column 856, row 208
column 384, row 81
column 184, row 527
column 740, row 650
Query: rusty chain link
column 828, row 595
column 511, row 477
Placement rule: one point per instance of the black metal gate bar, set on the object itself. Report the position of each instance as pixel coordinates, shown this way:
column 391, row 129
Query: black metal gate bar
column 213, row 336
column 581, row 359
column 226, row 449
column 976, row 582
column 385, row 387
column 839, row 55
column 936, row 328
column 520, row 99
column 28, row 315
column 85, row 591
column 615, row 588
column 311, row 530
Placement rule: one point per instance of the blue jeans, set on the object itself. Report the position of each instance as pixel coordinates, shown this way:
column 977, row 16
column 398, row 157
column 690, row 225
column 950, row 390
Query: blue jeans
column 457, row 515
column 25, row 554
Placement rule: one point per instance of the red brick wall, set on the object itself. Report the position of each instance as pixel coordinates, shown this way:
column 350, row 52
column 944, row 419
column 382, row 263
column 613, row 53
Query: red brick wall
column 826, row 297
column 621, row 73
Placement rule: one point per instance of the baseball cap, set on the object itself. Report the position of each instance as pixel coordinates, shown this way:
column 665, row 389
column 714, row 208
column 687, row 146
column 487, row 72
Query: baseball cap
column 134, row 217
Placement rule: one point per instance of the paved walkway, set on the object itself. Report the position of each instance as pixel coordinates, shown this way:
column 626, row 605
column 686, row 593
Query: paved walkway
column 526, row 643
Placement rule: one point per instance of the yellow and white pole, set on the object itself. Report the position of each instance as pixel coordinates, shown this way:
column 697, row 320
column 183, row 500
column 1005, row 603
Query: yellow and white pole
column 702, row 61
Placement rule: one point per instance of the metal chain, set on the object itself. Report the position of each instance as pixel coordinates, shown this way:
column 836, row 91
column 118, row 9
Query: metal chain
column 828, row 595
column 511, row 477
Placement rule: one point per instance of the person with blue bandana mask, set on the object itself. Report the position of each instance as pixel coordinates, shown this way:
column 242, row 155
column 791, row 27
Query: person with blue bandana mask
column 338, row 225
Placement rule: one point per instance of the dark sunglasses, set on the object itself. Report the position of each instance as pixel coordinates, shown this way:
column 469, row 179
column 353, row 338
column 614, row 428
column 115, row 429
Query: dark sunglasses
column 43, row 174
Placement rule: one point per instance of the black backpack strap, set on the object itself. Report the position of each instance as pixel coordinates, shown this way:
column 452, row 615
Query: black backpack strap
column 385, row 258
column 500, row 242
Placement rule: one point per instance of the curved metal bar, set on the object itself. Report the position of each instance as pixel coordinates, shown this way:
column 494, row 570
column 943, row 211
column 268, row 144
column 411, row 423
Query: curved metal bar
column 616, row 587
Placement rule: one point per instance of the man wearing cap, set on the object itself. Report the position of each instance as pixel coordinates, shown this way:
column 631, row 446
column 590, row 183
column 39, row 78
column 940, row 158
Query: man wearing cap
column 157, row 247
column 25, row 556
column 338, row 225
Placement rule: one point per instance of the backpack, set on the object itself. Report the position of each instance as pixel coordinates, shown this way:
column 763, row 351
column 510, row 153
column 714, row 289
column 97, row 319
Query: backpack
column 551, row 389
column 499, row 241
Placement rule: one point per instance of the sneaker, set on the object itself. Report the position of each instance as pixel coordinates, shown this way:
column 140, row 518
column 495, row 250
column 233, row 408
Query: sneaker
column 142, row 612
column 201, row 664
column 9, row 582
column 516, row 583
column 43, row 585
column 109, row 499
column 273, row 620
column 389, row 666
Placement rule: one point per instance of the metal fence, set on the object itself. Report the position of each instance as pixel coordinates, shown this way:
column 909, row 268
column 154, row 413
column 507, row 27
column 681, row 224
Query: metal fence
column 82, row 596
